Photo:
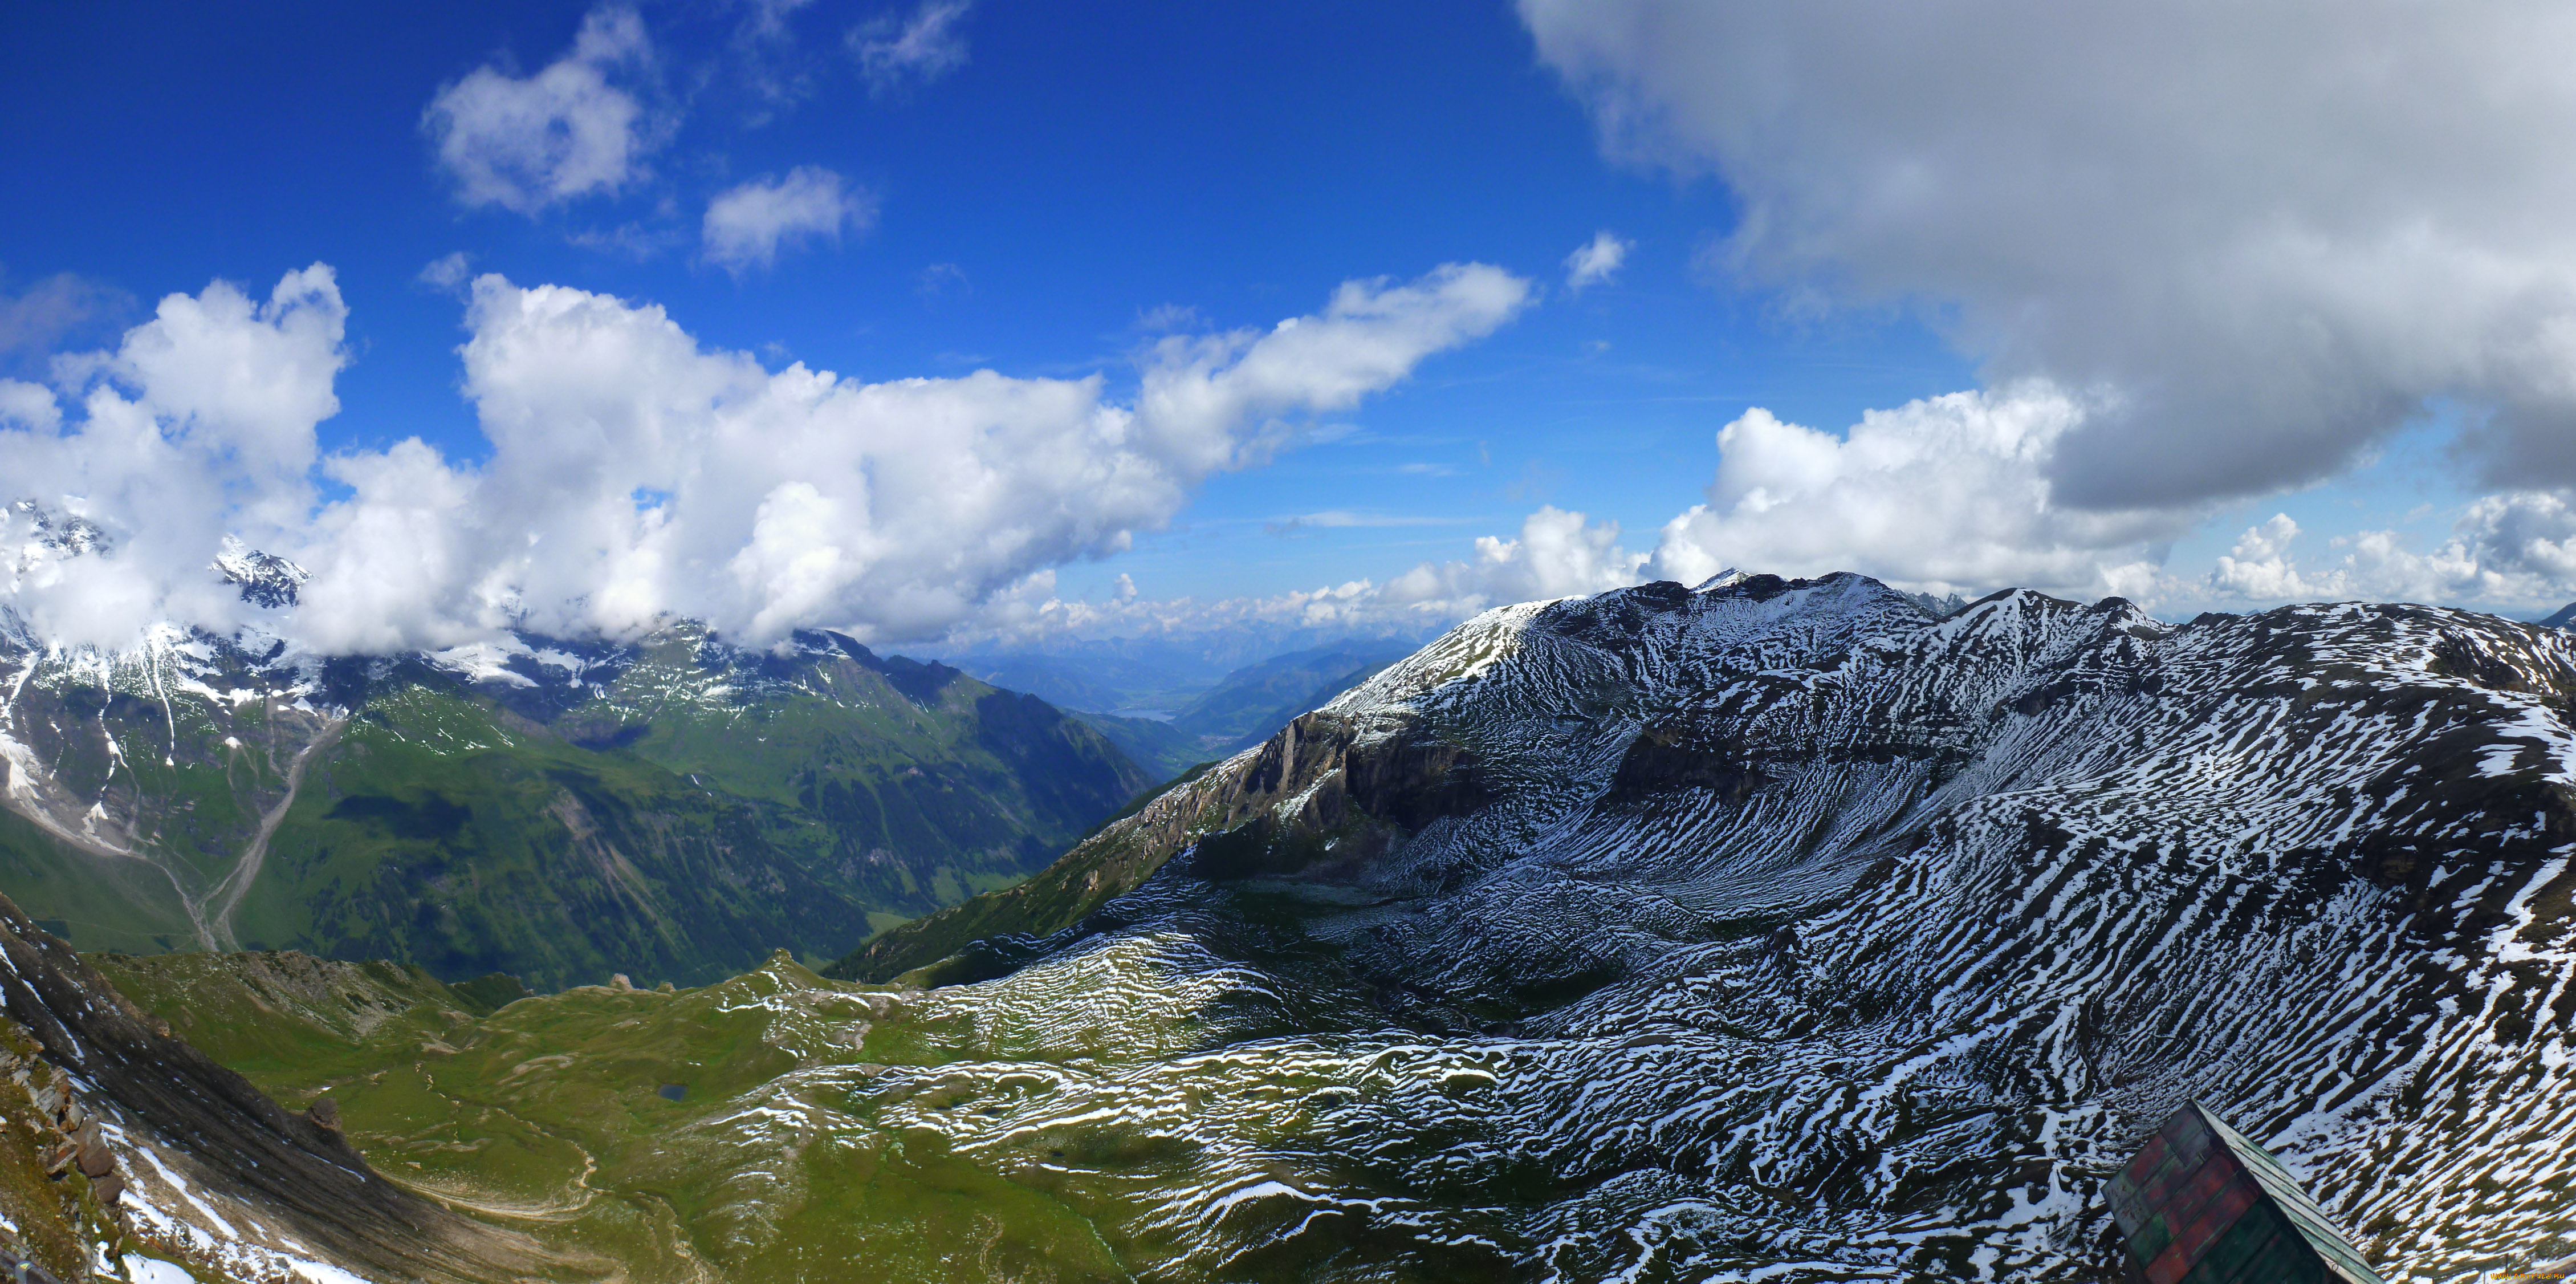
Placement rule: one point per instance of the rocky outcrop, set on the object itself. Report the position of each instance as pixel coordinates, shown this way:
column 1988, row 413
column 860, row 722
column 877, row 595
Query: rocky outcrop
column 193, row 1131
column 1787, row 929
column 1298, row 770
column 1329, row 792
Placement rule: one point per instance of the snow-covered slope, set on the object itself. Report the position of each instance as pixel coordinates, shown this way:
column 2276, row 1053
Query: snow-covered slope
column 1784, row 931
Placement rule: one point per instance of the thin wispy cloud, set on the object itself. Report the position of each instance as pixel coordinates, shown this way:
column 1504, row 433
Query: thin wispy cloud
column 632, row 240
column 768, row 59
column 1346, row 519
column 35, row 321
column 748, row 226
column 1168, row 317
column 899, row 54
column 447, row 272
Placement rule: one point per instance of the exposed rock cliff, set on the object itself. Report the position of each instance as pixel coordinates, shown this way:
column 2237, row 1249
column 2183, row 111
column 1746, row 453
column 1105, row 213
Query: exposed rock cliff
column 201, row 1166
column 1785, row 928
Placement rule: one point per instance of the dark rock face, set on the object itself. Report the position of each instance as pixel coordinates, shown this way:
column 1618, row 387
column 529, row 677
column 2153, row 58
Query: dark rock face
column 298, row 1171
column 1411, row 780
column 1665, row 759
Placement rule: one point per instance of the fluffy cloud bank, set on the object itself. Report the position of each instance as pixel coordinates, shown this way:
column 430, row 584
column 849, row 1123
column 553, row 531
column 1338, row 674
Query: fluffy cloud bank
column 1948, row 494
column 2517, row 549
column 199, row 426
column 2270, row 231
column 634, row 472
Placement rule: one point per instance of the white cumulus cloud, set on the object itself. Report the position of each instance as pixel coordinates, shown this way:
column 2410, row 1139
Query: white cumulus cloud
column 1596, row 260
column 1557, row 554
column 1368, row 336
column 2259, row 567
column 2515, row 549
column 526, row 143
column 747, row 226
column 198, row 426
column 2274, row 228
column 1946, row 494
column 635, row 473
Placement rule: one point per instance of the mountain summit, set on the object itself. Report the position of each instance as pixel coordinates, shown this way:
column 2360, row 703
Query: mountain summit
column 1782, row 922
column 1779, row 929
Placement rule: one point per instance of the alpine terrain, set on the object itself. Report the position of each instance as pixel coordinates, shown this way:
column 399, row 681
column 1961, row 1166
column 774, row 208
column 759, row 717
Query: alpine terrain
column 674, row 808
column 1776, row 930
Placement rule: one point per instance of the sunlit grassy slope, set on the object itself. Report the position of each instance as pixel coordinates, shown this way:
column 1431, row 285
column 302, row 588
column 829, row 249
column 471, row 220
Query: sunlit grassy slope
column 673, row 810
column 725, row 1129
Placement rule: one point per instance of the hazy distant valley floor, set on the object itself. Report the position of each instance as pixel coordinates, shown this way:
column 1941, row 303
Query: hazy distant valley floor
column 1775, row 931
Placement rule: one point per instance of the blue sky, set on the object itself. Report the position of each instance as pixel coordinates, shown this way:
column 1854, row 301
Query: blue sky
column 1058, row 186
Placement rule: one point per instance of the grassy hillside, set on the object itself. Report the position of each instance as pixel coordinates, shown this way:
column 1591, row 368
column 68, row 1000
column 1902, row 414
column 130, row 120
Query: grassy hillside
column 903, row 786
column 675, row 810
column 436, row 834
column 107, row 904
column 713, row 1134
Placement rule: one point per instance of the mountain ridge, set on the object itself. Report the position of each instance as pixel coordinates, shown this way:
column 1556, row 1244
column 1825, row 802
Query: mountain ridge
column 2035, row 870
column 1779, row 928
column 674, row 806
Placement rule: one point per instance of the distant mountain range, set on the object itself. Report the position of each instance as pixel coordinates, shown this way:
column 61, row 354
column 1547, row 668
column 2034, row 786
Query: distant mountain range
column 674, row 808
column 1156, row 676
column 1246, row 705
column 1782, row 929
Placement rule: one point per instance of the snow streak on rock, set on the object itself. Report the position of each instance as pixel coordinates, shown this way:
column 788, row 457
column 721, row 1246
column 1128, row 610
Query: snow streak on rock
column 1781, row 931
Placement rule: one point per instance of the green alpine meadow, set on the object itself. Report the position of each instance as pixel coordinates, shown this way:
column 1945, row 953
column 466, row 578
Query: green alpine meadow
column 675, row 809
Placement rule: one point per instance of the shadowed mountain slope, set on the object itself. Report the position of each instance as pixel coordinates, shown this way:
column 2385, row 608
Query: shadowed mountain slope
column 207, row 1170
